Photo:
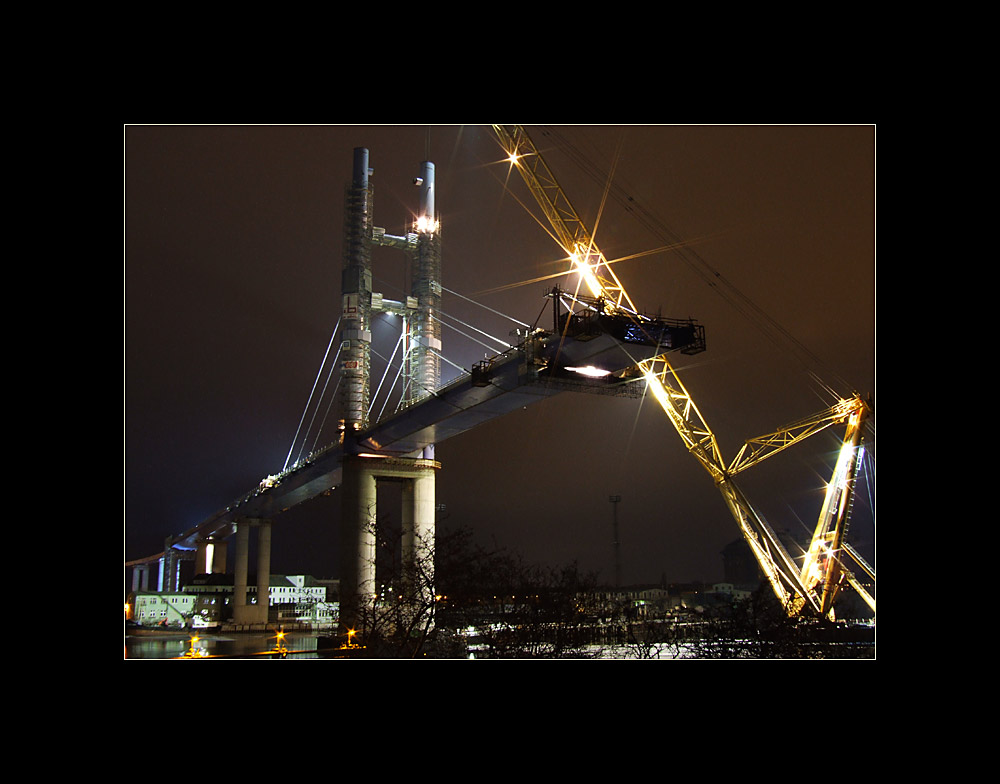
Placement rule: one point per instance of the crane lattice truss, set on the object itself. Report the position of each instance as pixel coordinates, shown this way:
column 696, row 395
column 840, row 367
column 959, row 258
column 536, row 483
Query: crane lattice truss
column 570, row 231
column 803, row 590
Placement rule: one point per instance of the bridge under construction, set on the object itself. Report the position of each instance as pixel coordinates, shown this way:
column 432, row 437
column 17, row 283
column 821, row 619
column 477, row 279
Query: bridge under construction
column 594, row 341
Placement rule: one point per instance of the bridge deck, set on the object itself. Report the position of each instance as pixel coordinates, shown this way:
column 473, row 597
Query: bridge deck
column 522, row 376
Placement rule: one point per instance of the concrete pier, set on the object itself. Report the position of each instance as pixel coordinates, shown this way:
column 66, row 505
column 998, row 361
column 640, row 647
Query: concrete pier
column 244, row 613
column 359, row 579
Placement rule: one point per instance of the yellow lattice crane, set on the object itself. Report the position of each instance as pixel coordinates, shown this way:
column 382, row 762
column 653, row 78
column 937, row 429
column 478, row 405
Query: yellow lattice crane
column 809, row 589
column 570, row 231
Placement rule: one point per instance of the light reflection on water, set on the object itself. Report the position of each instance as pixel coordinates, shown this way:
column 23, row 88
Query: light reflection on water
column 219, row 644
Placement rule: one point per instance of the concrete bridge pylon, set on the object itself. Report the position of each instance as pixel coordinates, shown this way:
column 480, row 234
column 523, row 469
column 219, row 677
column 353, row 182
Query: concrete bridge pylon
column 363, row 466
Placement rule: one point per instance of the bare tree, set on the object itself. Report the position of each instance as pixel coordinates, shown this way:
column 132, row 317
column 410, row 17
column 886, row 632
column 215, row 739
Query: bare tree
column 450, row 598
column 509, row 609
column 398, row 617
column 760, row 628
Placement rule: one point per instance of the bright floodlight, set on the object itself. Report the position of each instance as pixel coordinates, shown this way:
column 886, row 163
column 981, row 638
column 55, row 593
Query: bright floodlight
column 587, row 271
column 427, row 225
column 590, row 371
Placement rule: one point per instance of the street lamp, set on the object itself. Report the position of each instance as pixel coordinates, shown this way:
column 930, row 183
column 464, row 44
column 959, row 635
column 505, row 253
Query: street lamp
column 279, row 646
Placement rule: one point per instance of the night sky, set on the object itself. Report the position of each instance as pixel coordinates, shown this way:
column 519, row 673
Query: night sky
column 233, row 255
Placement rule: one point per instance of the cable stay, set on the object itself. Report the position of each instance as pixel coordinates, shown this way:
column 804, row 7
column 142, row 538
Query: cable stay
column 443, row 358
column 486, row 307
column 403, row 403
column 333, row 367
column 329, row 405
column 312, row 392
column 388, row 364
column 313, row 402
column 807, row 589
column 388, row 395
column 503, row 343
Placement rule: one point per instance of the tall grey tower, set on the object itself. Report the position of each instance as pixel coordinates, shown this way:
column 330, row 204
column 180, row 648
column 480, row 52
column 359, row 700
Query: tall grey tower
column 426, row 290
column 362, row 468
column 356, row 293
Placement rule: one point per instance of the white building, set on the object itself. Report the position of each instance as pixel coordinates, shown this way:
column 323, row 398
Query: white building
column 161, row 609
column 298, row 597
column 732, row 591
column 291, row 598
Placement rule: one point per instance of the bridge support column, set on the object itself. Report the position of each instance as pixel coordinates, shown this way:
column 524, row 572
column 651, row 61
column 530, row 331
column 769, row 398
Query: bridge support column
column 169, row 568
column 240, row 571
column 360, row 533
column 357, row 573
column 263, row 570
column 418, row 537
column 140, row 577
column 244, row 613
column 210, row 557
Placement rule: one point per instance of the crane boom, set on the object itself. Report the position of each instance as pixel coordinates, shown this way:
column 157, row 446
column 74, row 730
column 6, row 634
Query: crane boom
column 757, row 449
column 570, row 231
column 815, row 584
column 823, row 569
